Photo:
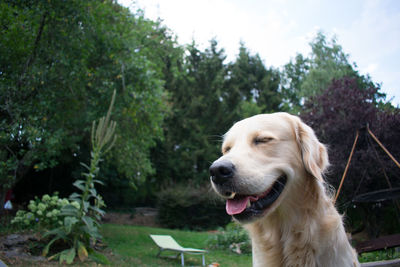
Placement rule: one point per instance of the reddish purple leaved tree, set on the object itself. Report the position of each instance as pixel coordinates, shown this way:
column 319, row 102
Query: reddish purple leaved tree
column 345, row 107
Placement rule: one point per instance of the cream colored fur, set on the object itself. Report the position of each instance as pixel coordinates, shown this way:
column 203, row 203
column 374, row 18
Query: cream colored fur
column 302, row 228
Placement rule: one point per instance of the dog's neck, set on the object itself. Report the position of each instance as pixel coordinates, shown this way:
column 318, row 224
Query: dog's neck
column 289, row 228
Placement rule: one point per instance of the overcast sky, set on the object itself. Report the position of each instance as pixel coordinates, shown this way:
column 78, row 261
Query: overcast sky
column 368, row 30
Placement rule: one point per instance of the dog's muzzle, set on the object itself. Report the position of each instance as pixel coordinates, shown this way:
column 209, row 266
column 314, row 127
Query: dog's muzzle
column 244, row 207
column 221, row 174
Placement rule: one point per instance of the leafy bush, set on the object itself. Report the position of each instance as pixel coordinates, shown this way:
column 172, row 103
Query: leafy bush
column 234, row 238
column 188, row 207
column 381, row 255
column 42, row 214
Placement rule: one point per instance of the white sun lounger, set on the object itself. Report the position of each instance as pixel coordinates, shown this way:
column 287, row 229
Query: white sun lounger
column 166, row 242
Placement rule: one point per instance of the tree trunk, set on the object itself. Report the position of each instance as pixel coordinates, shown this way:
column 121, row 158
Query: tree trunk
column 3, row 192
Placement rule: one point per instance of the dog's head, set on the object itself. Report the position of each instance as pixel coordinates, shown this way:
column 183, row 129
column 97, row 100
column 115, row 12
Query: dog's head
column 265, row 156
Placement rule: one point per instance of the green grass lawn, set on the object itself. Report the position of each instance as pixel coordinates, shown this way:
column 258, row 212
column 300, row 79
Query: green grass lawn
column 132, row 246
column 128, row 245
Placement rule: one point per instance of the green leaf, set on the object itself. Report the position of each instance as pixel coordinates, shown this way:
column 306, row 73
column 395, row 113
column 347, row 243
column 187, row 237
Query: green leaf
column 75, row 197
column 93, row 192
column 97, row 216
column 67, row 255
column 69, row 210
column 54, row 257
column 47, row 247
column 88, row 221
column 86, row 166
column 97, row 257
column 68, row 223
column 59, row 232
column 89, row 175
column 79, row 184
column 98, row 181
column 86, row 206
column 82, row 252
column 99, row 211
column 91, row 227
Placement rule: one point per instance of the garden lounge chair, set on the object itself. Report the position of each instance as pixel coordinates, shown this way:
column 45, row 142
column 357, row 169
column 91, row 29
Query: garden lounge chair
column 166, row 242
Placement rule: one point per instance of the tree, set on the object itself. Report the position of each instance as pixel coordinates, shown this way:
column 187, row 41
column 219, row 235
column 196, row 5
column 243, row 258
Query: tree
column 59, row 64
column 196, row 120
column 309, row 76
column 206, row 98
column 292, row 78
column 328, row 61
column 336, row 115
column 252, row 85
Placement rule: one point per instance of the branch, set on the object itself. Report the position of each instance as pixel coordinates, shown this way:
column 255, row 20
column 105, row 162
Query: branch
column 32, row 56
column 22, row 169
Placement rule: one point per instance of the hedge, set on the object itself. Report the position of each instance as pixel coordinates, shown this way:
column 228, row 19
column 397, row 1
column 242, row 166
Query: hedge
column 187, row 207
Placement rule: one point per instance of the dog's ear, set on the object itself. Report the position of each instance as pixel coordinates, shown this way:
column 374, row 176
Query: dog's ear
column 313, row 153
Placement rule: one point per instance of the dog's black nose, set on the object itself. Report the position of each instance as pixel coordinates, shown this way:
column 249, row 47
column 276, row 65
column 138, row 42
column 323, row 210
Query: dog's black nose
column 221, row 171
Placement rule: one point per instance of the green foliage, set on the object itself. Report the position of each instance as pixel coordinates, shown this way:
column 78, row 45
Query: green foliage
column 250, row 82
column 191, row 130
column 327, row 62
column 305, row 77
column 207, row 97
column 61, row 61
column 234, row 237
column 59, row 64
column 382, row 255
column 82, row 220
column 187, row 206
column 42, row 214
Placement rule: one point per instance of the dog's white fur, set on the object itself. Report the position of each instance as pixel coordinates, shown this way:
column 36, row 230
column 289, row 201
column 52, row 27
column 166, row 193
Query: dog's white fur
column 302, row 228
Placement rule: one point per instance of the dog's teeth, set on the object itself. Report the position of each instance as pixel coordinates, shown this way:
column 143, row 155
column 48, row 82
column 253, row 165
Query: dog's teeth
column 232, row 195
column 248, row 204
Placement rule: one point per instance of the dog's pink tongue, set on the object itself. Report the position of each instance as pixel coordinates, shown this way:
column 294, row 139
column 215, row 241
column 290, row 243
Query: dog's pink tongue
column 236, row 205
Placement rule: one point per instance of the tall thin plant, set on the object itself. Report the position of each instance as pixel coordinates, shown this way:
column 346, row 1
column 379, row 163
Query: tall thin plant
column 82, row 216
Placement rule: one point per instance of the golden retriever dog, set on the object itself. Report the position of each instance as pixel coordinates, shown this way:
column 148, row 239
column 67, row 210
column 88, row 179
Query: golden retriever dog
column 271, row 175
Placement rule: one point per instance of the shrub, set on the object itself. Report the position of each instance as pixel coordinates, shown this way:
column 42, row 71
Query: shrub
column 188, row 207
column 42, row 214
column 381, row 255
column 233, row 238
column 79, row 230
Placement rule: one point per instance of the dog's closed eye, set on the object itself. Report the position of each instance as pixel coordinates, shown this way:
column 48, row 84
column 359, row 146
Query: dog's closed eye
column 226, row 149
column 262, row 140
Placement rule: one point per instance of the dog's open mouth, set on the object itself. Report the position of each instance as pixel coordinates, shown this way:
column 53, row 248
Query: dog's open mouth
column 245, row 207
